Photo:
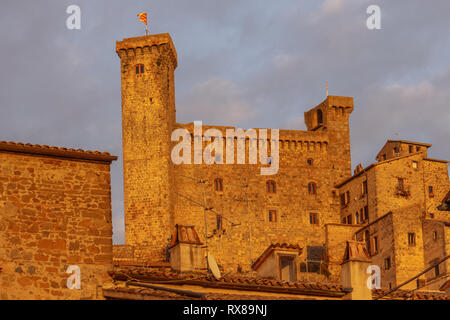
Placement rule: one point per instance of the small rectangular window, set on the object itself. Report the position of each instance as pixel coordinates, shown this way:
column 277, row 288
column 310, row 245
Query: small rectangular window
column 139, row 68
column 287, row 269
column 349, row 219
column 396, row 151
column 411, row 149
column 415, row 164
column 387, row 263
column 342, row 199
column 313, row 218
column 272, row 216
column 219, row 222
column 375, row 245
column 430, row 191
column 400, row 184
column 411, row 238
column 364, row 187
column 436, row 270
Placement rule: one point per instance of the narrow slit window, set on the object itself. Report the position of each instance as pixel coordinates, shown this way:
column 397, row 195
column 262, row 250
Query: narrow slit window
column 411, row 239
column 218, row 183
column 219, row 222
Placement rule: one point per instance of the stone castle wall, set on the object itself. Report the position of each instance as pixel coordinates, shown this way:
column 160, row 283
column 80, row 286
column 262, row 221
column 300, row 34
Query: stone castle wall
column 156, row 189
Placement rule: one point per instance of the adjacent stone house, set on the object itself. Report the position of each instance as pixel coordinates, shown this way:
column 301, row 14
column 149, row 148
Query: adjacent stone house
column 55, row 212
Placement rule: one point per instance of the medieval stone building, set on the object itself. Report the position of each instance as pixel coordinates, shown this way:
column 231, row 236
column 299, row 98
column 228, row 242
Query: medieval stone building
column 250, row 211
column 400, row 204
column 55, row 212
column 313, row 201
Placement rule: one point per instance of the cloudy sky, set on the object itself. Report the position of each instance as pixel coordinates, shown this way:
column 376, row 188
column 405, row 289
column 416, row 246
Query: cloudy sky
column 249, row 63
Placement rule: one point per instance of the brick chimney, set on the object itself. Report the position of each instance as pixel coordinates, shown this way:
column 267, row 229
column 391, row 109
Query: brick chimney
column 353, row 271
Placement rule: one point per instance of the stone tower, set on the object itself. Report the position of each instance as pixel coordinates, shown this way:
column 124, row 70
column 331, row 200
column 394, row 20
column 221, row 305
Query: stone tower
column 332, row 116
column 148, row 116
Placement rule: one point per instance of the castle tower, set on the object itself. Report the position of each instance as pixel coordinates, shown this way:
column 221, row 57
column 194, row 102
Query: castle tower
column 332, row 116
column 148, row 116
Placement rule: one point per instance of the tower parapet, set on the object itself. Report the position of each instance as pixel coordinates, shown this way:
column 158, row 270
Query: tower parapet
column 332, row 116
column 130, row 47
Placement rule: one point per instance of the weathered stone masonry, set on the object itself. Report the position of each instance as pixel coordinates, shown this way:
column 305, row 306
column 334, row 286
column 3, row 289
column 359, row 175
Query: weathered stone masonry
column 55, row 211
column 153, row 184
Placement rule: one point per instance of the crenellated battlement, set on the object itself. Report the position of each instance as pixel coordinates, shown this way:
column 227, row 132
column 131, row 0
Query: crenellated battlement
column 142, row 46
column 289, row 140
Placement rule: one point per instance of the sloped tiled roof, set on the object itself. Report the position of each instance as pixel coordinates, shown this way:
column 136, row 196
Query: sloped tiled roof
column 446, row 198
column 236, row 282
column 408, row 295
column 132, row 293
column 44, row 150
column 272, row 247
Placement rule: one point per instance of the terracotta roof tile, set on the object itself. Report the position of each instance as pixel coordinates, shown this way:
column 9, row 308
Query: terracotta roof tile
column 132, row 293
column 60, row 152
column 238, row 282
column 152, row 294
column 272, row 247
column 408, row 295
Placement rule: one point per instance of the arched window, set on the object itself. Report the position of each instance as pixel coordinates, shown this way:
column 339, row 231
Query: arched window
column 312, row 188
column 271, row 186
column 218, row 184
column 139, row 68
column 319, row 117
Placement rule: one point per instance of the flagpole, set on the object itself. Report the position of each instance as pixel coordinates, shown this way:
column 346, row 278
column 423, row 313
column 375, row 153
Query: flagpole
column 146, row 30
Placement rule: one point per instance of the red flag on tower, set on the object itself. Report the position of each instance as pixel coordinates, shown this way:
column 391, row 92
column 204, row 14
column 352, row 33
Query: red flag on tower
column 143, row 17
